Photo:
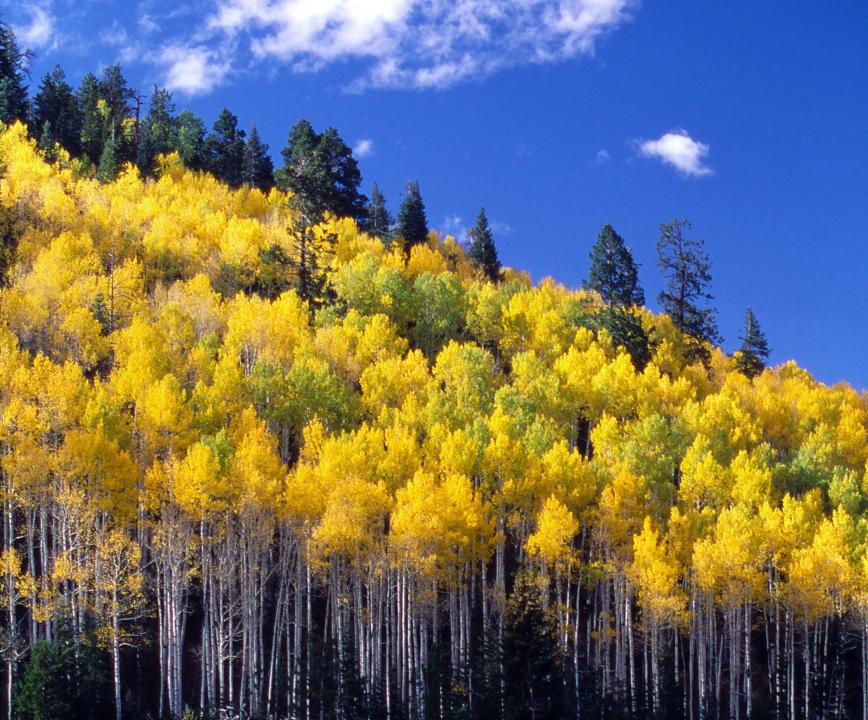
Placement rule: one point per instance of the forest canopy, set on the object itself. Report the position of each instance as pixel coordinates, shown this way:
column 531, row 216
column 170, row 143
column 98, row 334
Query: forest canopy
column 256, row 459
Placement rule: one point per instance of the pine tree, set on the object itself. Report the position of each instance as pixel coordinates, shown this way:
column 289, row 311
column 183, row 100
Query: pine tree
column 613, row 272
column 257, row 170
column 115, row 111
column 66, row 679
column 626, row 330
column 158, row 134
column 13, row 91
column 91, row 139
column 322, row 174
column 412, row 221
column 532, row 664
column 482, row 249
column 754, row 351
column 108, row 162
column 55, row 115
column 191, row 140
column 687, row 271
column 224, row 149
column 379, row 221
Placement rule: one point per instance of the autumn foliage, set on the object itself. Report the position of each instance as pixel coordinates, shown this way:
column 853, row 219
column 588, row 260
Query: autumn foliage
column 249, row 492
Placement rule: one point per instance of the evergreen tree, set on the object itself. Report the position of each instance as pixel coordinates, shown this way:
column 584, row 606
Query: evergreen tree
column 412, row 221
column 191, row 140
column 754, row 351
column 257, row 170
column 109, row 162
column 115, row 111
column 55, row 115
column 158, row 134
column 42, row 692
column 91, row 139
column 66, row 679
column 626, row 330
column 482, row 249
column 13, row 91
column 9, row 234
column 322, row 174
column 379, row 221
column 687, row 271
column 613, row 272
column 224, row 149
column 532, row 663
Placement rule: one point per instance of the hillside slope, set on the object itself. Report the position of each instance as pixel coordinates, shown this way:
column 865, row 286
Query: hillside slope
column 292, row 472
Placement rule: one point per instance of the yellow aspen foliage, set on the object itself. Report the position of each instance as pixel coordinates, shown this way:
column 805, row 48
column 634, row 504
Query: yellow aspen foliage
column 396, row 384
column 751, row 478
column 438, row 525
column 556, row 527
column 465, row 376
column 257, row 474
column 200, row 485
column 119, row 583
column 568, row 476
column 823, row 576
column 95, row 463
column 577, row 370
column 270, row 331
column 353, row 524
column 622, row 508
column 728, row 564
column 656, row 573
column 165, row 415
column 460, row 453
column 425, row 260
column 402, row 457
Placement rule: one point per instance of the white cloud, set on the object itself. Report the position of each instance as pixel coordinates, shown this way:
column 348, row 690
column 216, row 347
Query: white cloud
column 602, row 157
column 364, row 148
column 148, row 25
column 40, row 32
column 453, row 224
column 679, row 150
column 410, row 43
column 192, row 70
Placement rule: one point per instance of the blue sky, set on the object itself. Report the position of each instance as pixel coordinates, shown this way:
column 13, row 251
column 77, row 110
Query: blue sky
column 750, row 119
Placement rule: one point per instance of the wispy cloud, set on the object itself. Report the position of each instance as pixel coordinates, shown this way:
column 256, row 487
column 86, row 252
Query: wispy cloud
column 363, row 148
column 408, row 43
column 602, row 157
column 192, row 70
column 679, row 150
column 40, row 31
column 453, row 225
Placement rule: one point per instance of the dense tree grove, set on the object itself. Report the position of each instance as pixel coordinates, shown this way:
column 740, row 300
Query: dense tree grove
column 258, row 461
column 415, row 493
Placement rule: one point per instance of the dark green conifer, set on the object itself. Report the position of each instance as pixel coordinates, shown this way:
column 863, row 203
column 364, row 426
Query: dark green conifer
column 224, row 149
column 13, row 91
column 321, row 173
column 482, row 249
column 412, row 221
column 91, row 138
column 109, row 162
column 532, row 663
column 257, row 170
column 687, row 272
column 55, row 115
column 613, row 272
column 379, row 220
column 191, row 140
column 754, row 351
column 158, row 134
